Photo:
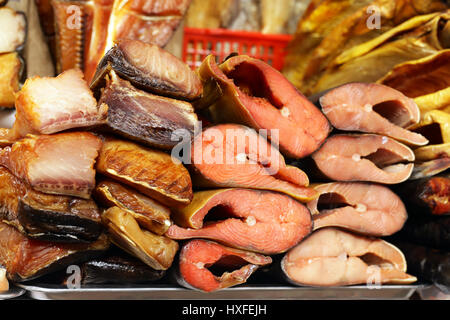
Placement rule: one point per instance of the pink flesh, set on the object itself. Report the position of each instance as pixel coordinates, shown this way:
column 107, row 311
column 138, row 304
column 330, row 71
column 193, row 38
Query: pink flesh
column 261, row 221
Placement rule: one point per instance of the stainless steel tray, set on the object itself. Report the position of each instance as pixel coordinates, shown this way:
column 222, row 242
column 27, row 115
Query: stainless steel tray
column 13, row 292
column 247, row 292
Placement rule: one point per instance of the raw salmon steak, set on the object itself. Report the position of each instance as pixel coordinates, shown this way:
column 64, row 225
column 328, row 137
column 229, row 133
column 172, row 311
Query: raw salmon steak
column 150, row 214
column 364, row 157
column 26, row 259
column 248, row 91
column 198, row 257
column 150, row 68
column 260, row 221
column 151, row 172
column 373, row 108
column 231, row 155
column 154, row 250
column 333, row 257
column 62, row 163
column 365, row 208
column 48, row 105
column 145, row 117
column 47, row 217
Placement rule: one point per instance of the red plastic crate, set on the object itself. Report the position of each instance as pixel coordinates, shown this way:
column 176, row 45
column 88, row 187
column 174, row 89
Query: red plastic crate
column 198, row 43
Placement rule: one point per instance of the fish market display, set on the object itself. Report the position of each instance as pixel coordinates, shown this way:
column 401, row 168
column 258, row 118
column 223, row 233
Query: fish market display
column 47, row 217
column 333, row 257
column 55, row 164
column 150, row 68
column 145, row 117
column 364, row 157
column 231, row 155
column 154, row 250
column 26, row 259
column 85, row 30
column 150, row 214
column 48, row 105
column 118, row 268
column 369, row 209
column 14, row 29
column 248, row 91
column 254, row 220
column 151, row 172
column 10, row 69
column 372, row 108
column 198, row 257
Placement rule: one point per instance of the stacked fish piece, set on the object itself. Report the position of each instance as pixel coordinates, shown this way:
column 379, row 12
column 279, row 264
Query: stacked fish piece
column 73, row 179
column 13, row 27
column 244, row 94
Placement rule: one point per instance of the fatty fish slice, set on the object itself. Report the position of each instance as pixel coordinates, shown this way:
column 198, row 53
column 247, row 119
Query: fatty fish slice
column 365, row 208
column 14, row 30
column 373, row 108
column 27, row 259
column 48, row 105
column 61, row 163
column 154, row 173
column 47, row 217
column 333, row 257
column 150, row 214
column 145, row 117
column 259, row 221
column 198, row 256
column 150, row 68
column 11, row 67
column 364, row 157
column 232, row 155
column 248, row 91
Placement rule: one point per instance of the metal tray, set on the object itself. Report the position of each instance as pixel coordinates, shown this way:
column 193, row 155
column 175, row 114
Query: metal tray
column 13, row 292
column 244, row 292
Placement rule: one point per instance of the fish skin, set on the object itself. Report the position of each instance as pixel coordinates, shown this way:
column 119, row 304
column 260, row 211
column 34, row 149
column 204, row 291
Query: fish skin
column 60, row 164
column 196, row 255
column 144, row 117
column 265, row 101
column 350, row 108
column 152, row 69
column 26, row 259
column 266, row 222
column 150, row 214
column 371, row 209
column 264, row 168
column 67, row 103
column 343, row 260
column 151, row 172
column 343, row 158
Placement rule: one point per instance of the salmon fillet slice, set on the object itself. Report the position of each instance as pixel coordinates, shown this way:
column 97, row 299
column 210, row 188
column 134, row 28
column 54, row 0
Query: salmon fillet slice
column 364, row 157
column 373, row 108
column 366, row 208
column 248, row 91
column 254, row 220
column 333, row 257
column 197, row 256
column 61, row 163
column 231, row 155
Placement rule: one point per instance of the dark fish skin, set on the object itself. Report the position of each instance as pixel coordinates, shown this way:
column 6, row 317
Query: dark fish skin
column 26, row 259
column 47, row 217
column 152, row 70
column 426, row 196
column 144, row 117
column 428, row 264
column 118, row 269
